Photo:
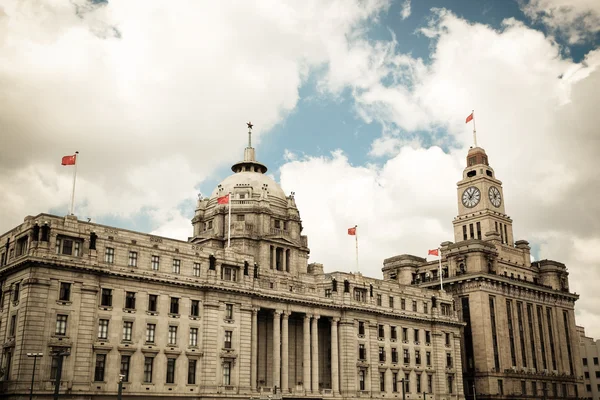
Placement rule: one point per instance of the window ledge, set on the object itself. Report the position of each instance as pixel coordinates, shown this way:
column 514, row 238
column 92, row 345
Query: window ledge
column 105, row 308
column 194, row 317
column 129, row 310
column 64, row 302
column 171, row 315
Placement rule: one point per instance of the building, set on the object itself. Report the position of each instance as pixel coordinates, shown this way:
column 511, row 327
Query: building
column 520, row 339
column 590, row 352
column 198, row 319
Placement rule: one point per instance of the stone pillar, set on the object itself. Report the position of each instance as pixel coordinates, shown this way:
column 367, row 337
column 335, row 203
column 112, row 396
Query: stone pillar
column 284, row 353
column 315, row 354
column 283, row 260
column 335, row 375
column 274, row 253
column 276, row 348
column 254, row 350
column 306, row 354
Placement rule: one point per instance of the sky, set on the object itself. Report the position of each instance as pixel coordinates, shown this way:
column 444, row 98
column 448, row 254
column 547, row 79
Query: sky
column 358, row 107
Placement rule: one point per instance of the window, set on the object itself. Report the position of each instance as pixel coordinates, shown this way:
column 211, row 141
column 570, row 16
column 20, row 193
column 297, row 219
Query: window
column 362, row 352
column 172, row 335
column 585, row 361
column 406, row 357
column 106, row 298
column 229, row 274
column 428, row 358
column 150, row 330
column 394, row 382
column 450, row 384
column 210, row 225
column 588, row 388
column 380, row 331
column 534, row 388
column 228, row 311
column 587, row 375
column 429, row 384
column 405, row 334
column 418, row 383
column 381, row 354
column 155, row 263
column 227, row 373
column 448, row 360
column 196, row 269
column 361, row 328
column 328, row 293
column 61, row 325
column 414, row 306
column 427, row 337
column 193, row 337
column 130, row 300
column 406, row 382
column 402, row 304
column 597, row 374
column 53, row 368
column 170, row 370
column 277, row 224
column 16, row 291
column 416, row 335
column 465, row 232
column 195, row 308
column 99, row 370
column 393, row 333
column 65, row 291
column 595, row 360
column 127, row 329
column 103, row 329
column 176, row 266
column 174, row 309
column 391, row 301
column 13, row 325
column 109, row 255
column 148, row 363
column 382, row 381
column 68, row 247
column 228, row 339
column 394, row 355
column 425, row 308
column 133, row 256
column 379, row 302
column 125, row 361
column 447, row 337
column 152, row 302
column 240, row 217
column 191, row 372
column 500, row 386
column 361, row 379
column 418, row 357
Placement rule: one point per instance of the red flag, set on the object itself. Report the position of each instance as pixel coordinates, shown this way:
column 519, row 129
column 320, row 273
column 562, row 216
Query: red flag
column 352, row 231
column 433, row 252
column 223, row 199
column 469, row 118
column 69, row 160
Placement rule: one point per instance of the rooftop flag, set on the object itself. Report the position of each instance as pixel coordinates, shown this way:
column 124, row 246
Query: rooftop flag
column 223, row 199
column 69, row 160
column 433, row 252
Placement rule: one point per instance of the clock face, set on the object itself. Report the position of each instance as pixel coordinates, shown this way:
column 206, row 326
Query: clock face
column 471, row 197
column 495, row 197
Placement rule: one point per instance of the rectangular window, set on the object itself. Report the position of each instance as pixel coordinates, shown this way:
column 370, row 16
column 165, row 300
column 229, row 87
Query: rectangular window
column 130, row 300
column 228, row 339
column 427, row 337
column 191, row 372
column 109, row 255
column 447, row 339
column 405, row 334
column 381, row 354
column 361, row 379
column 465, row 237
column 379, row 301
column 174, row 306
column 380, row 331
column 418, row 357
column 171, row 370
column 471, row 232
column 568, row 339
column 500, row 387
column 394, row 382
column 61, row 325
column 125, row 361
column 429, row 384
column 382, row 381
column 127, row 330
column 155, row 263
column 425, row 307
column 362, row 352
column 148, row 364
column 595, row 360
column 418, row 383
column 152, row 302
column 450, row 384
column 407, row 383
column 417, row 336
column 53, row 368
column 551, row 336
column 391, row 301
column 99, row 370
column 521, row 333
column 65, row 291
column 133, row 257
column 150, row 330
column 394, row 355
column 494, row 335
column 532, row 335
column 361, row 328
column 227, row 373
column 403, row 304
column 534, row 388
column 172, row 335
column 241, row 218
column 13, row 325
column 176, row 266
column 393, row 333
column 428, row 358
column 193, row 337
column 414, row 305
column 106, row 298
column 196, row 269
column 540, row 316
column 16, row 291
column 195, row 308
column 448, row 360
column 103, row 329
column 523, row 387
column 479, row 230
column 406, row 356
column 511, row 335
column 229, row 274
column 228, row 311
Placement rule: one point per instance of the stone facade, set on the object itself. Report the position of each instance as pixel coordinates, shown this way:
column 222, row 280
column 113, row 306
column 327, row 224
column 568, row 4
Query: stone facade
column 590, row 354
column 198, row 319
column 520, row 340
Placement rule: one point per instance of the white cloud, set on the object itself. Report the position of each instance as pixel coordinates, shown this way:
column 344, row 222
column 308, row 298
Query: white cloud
column 578, row 20
column 405, row 13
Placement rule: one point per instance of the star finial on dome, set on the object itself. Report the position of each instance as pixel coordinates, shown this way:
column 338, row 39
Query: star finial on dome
column 249, row 133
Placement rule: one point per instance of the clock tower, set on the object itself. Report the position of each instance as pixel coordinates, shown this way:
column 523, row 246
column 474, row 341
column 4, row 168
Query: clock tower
column 481, row 213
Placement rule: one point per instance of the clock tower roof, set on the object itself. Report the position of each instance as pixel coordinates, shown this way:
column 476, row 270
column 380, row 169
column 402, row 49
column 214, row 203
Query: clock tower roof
column 477, row 156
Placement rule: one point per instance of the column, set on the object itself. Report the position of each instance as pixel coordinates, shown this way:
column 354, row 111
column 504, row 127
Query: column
column 335, row 375
column 315, row 354
column 283, row 260
column 254, row 350
column 276, row 348
column 274, row 254
column 306, row 354
column 284, row 353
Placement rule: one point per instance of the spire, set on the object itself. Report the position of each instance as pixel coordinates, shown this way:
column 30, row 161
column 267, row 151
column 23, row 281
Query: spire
column 249, row 164
column 249, row 134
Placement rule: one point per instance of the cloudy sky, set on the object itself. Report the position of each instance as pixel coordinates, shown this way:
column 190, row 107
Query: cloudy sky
column 358, row 106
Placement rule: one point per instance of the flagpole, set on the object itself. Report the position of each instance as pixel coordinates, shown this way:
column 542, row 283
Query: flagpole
column 74, row 179
column 441, row 276
column 356, row 237
column 229, row 222
column 474, row 130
